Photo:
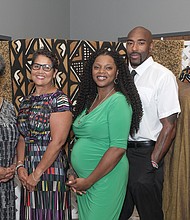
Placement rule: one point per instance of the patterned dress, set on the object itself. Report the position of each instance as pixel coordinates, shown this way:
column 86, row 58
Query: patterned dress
column 47, row 201
column 8, row 140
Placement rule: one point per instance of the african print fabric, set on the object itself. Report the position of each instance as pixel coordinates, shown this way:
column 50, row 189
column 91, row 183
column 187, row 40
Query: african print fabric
column 72, row 55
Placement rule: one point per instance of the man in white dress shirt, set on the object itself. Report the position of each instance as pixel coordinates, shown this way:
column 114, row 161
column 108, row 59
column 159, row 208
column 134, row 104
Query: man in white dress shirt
column 158, row 90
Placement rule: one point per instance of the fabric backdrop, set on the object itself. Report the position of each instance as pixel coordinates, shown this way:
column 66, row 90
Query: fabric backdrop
column 72, row 54
column 176, row 193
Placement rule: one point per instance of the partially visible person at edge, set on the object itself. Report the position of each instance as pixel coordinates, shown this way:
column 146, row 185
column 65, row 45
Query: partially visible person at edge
column 8, row 140
column 146, row 149
column 44, row 121
column 108, row 105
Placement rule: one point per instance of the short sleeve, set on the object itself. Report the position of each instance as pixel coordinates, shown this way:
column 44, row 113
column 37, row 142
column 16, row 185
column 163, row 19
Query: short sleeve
column 61, row 103
column 119, row 120
column 168, row 101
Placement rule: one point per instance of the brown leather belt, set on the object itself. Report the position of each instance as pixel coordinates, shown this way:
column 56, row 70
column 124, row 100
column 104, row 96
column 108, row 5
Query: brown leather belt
column 138, row 144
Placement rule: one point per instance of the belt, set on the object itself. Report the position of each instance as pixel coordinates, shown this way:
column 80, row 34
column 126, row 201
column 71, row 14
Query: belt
column 137, row 144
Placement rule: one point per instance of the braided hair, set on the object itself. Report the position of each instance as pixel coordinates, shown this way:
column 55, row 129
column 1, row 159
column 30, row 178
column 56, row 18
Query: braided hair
column 125, row 85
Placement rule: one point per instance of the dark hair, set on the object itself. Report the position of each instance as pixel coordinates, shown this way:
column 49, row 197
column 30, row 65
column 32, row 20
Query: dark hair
column 2, row 65
column 125, row 85
column 48, row 54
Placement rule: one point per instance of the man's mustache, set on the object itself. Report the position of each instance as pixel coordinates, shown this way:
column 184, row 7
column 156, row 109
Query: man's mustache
column 134, row 53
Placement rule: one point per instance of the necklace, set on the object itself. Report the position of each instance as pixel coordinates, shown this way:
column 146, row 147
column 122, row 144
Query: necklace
column 79, row 121
column 102, row 99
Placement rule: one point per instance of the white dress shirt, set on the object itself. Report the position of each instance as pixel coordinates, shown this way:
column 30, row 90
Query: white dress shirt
column 158, row 91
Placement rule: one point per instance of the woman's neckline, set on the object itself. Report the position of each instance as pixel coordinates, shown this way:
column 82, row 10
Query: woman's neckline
column 44, row 94
column 93, row 110
column 103, row 101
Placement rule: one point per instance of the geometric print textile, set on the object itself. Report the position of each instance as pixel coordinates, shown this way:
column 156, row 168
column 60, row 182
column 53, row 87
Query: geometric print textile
column 71, row 54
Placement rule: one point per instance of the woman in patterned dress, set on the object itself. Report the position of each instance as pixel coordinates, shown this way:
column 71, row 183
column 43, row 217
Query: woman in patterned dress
column 8, row 141
column 44, row 121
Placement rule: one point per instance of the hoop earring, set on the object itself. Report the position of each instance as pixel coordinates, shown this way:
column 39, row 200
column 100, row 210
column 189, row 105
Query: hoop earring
column 116, row 81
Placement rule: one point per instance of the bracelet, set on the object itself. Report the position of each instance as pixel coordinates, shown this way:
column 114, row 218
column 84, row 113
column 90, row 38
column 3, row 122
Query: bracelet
column 154, row 164
column 34, row 178
column 18, row 166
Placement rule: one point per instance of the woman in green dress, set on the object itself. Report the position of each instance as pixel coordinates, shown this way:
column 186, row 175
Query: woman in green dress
column 108, row 108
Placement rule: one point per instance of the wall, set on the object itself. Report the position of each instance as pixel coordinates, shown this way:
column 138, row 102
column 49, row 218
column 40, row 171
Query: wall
column 35, row 18
column 110, row 19
column 90, row 19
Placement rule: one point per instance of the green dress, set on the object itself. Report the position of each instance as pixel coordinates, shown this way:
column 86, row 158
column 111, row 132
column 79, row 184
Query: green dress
column 106, row 126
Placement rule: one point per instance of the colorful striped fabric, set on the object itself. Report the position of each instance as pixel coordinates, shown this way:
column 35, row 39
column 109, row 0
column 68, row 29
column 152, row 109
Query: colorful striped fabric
column 47, row 202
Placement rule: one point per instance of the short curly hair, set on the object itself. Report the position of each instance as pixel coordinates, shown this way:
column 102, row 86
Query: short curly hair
column 125, row 85
column 46, row 53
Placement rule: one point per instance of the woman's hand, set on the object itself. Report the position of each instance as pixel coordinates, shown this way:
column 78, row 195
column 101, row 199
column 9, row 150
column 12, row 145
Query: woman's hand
column 31, row 182
column 7, row 173
column 70, row 182
column 22, row 175
column 10, row 172
column 78, row 185
column 3, row 172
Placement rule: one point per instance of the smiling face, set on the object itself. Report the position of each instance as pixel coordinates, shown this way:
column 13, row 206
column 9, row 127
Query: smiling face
column 104, row 71
column 42, row 77
column 139, row 46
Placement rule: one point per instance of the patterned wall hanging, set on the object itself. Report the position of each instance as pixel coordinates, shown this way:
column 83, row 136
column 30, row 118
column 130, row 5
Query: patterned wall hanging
column 168, row 53
column 186, row 55
column 71, row 55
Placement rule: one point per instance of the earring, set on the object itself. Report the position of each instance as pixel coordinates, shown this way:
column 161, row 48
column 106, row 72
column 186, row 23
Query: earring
column 115, row 80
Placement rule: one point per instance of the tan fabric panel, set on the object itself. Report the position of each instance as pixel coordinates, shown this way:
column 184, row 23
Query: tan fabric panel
column 176, row 192
column 5, row 80
column 169, row 54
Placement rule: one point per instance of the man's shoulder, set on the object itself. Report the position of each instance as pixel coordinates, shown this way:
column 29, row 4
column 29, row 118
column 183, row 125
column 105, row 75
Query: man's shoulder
column 161, row 69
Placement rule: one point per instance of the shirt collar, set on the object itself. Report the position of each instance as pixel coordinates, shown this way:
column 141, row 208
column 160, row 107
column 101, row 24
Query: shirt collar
column 141, row 68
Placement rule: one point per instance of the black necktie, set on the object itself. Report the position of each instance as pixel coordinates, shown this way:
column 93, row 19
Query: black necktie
column 133, row 73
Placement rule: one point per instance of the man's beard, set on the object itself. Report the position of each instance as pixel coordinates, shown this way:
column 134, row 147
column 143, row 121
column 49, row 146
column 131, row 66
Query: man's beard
column 141, row 60
column 136, row 64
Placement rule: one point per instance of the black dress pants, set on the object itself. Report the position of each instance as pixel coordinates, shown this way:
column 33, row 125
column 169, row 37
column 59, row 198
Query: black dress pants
column 145, row 186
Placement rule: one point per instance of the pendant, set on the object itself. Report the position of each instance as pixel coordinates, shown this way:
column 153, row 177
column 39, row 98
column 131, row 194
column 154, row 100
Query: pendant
column 79, row 121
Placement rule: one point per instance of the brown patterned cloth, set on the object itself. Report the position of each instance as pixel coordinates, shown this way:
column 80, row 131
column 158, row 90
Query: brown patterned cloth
column 5, row 80
column 169, row 54
column 176, row 192
column 71, row 55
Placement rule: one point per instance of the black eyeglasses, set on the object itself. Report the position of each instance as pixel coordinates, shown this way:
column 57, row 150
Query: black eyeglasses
column 45, row 67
